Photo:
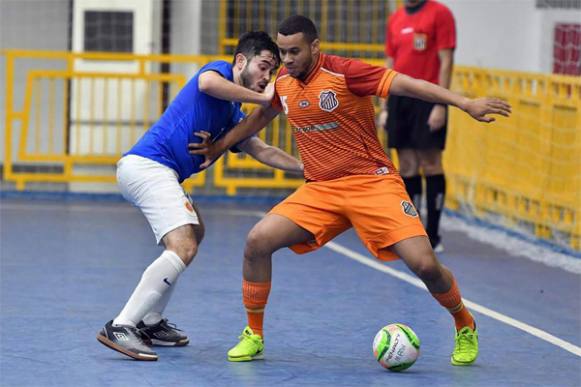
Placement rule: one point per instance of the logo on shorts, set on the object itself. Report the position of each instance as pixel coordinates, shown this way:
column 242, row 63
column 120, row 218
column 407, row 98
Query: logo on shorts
column 328, row 100
column 382, row 171
column 189, row 206
column 408, row 208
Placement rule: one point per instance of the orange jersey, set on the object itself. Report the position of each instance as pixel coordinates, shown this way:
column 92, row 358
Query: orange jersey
column 332, row 117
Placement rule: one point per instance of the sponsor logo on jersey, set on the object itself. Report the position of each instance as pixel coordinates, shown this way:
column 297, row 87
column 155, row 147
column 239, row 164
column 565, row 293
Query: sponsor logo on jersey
column 304, row 104
column 420, row 41
column 408, row 208
column 328, row 100
column 316, row 127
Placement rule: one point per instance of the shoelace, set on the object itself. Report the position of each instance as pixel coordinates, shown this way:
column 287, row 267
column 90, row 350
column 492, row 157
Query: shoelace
column 165, row 324
column 464, row 341
column 246, row 336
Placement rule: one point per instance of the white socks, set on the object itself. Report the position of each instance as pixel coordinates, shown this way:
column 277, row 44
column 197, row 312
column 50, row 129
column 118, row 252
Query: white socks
column 157, row 281
column 155, row 315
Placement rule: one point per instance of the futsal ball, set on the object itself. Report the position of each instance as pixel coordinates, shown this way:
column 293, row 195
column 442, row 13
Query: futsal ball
column 396, row 347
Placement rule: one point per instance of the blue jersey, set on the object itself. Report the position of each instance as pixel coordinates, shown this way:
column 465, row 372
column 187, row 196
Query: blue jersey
column 192, row 110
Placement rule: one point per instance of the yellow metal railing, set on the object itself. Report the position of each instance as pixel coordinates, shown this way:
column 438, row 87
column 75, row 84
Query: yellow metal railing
column 92, row 120
column 85, row 118
column 525, row 170
column 346, row 27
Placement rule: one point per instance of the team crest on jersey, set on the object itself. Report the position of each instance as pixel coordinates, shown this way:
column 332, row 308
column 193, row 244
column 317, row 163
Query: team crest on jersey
column 408, row 208
column 328, row 100
column 420, row 41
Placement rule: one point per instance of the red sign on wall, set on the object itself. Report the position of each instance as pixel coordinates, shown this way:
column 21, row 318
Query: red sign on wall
column 567, row 49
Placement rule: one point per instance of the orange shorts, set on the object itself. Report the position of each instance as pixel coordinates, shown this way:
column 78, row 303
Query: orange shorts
column 378, row 207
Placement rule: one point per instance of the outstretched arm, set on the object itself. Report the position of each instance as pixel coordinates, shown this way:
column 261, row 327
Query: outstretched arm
column 271, row 155
column 251, row 125
column 427, row 91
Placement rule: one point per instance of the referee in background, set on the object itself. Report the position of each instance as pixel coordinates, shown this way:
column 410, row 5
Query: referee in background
column 420, row 41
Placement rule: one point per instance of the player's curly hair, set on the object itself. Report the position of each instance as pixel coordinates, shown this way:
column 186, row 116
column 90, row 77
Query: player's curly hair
column 296, row 24
column 253, row 43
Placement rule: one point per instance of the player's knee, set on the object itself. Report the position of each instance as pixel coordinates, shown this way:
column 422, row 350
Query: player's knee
column 186, row 249
column 431, row 169
column 199, row 232
column 428, row 270
column 431, row 165
column 256, row 244
column 408, row 167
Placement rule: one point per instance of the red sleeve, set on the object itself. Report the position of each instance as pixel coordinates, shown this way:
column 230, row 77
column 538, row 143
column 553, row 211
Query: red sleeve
column 445, row 28
column 276, row 99
column 389, row 49
column 364, row 79
column 275, row 103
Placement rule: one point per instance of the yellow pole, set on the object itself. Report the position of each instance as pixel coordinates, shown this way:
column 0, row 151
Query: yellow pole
column 9, row 115
column 118, row 120
column 105, row 126
column 222, row 27
column 51, row 114
column 324, row 19
column 36, row 90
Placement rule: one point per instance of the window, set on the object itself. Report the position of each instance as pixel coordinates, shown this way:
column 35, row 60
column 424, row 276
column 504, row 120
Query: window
column 108, row 31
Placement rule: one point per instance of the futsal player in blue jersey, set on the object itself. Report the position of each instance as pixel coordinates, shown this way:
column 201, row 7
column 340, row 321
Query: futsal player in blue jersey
column 149, row 176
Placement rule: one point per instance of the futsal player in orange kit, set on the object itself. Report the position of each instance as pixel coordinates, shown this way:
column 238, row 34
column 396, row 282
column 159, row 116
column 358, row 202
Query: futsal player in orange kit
column 350, row 182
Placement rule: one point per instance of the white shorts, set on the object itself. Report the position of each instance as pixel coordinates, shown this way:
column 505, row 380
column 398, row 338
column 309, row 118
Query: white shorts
column 154, row 189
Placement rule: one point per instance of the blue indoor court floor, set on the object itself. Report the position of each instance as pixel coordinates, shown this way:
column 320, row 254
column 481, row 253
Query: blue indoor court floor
column 68, row 266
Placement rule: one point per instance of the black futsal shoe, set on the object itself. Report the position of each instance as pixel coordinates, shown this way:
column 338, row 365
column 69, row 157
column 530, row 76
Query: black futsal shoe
column 163, row 334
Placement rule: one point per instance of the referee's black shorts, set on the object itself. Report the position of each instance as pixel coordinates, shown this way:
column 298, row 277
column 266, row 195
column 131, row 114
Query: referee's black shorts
column 407, row 125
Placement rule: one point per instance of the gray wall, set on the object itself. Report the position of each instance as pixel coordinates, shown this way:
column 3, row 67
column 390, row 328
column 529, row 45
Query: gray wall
column 34, row 25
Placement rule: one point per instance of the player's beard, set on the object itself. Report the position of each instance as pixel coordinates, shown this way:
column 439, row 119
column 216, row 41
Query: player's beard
column 245, row 77
column 414, row 3
column 303, row 74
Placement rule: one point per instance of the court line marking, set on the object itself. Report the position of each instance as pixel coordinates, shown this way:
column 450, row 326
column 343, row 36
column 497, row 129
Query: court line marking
column 539, row 333
column 374, row 264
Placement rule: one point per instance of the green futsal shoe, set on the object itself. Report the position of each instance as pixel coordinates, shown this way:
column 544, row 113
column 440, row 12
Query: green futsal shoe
column 466, row 347
column 250, row 347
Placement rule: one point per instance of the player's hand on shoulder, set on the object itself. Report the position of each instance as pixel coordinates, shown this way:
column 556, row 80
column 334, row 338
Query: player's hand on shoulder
column 268, row 95
column 479, row 108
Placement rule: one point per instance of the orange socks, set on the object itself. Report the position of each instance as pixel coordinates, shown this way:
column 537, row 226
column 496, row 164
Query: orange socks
column 255, row 296
column 452, row 301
